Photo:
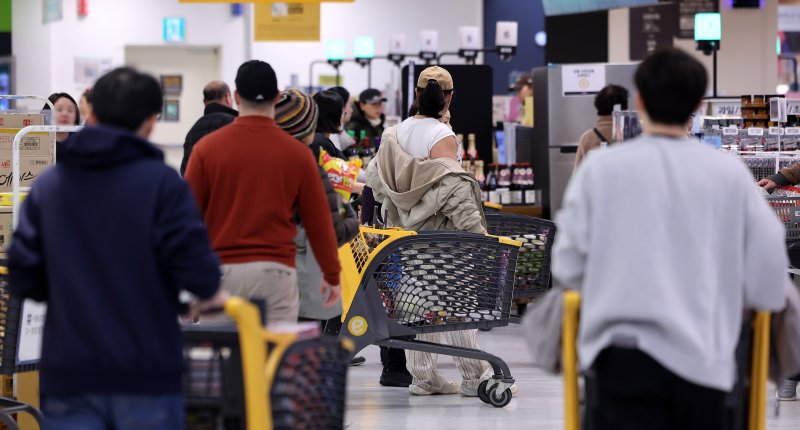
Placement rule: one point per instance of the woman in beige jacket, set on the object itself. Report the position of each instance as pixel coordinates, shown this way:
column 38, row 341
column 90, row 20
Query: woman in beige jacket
column 418, row 178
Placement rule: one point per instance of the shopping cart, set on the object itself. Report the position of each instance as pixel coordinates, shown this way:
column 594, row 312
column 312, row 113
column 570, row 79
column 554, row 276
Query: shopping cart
column 246, row 377
column 758, row 356
column 785, row 201
column 537, row 235
column 430, row 282
column 763, row 164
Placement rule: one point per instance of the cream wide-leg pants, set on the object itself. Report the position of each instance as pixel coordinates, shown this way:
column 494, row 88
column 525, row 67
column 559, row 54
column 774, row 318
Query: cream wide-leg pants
column 422, row 365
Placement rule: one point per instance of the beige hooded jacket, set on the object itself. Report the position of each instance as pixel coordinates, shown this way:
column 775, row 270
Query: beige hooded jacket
column 424, row 194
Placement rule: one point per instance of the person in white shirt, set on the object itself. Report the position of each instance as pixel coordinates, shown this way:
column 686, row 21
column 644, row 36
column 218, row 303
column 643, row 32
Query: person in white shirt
column 665, row 263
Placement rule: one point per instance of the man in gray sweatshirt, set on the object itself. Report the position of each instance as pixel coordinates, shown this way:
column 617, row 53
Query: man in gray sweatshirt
column 665, row 264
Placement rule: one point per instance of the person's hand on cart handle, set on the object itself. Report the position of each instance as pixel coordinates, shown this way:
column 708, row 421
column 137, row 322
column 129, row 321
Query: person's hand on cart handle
column 333, row 293
column 767, row 185
column 215, row 304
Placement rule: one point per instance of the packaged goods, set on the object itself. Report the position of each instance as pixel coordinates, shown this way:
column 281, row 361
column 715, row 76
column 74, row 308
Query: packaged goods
column 342, row 173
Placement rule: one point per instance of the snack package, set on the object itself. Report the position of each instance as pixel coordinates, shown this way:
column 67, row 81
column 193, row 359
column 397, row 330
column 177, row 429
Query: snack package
column 341, row 173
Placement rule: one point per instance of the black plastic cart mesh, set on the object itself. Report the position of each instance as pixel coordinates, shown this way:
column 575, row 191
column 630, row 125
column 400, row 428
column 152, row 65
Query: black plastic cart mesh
column 533, row 265
column 436, row 282
column 308, row 391
column 762, row 164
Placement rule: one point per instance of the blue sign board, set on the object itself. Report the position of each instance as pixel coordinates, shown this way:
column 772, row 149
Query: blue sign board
column 174, row 29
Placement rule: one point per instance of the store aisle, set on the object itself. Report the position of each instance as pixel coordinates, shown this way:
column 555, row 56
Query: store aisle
column 538, row 405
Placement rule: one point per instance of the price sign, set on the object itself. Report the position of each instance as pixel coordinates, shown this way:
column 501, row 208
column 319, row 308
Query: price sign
column 793, row 107
column 726, row 109
column 730, row 131
column 792, row 131
column 775, row 131
column 753, row 131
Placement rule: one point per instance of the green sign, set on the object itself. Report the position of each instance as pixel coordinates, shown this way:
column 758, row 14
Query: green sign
column 364, row 47
column 335, row 50
column 707, row 26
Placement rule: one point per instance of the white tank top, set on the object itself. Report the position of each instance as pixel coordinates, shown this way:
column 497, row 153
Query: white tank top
column 418, row 135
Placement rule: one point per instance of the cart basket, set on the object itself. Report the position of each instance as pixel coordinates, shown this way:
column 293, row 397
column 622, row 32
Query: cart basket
column 537, row 235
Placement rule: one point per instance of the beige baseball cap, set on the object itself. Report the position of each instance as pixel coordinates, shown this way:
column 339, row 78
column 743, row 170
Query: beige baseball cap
column 437, row 74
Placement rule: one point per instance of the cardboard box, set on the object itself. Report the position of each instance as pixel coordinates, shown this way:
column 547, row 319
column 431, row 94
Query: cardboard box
column 32, row 145
column 5, row 228
column 30, row 168
column 20, row 120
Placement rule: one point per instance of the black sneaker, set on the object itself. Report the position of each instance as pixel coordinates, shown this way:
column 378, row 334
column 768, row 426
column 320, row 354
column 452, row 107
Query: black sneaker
column 395, row 379
column 357, row 361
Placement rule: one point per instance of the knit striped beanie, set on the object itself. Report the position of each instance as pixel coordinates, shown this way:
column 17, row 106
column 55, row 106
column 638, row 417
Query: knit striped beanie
column 296, row 113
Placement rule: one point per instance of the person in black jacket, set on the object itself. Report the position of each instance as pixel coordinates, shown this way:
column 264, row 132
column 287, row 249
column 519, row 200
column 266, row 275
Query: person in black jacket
column 109, row 237
column 219, row 112
column 368, row 115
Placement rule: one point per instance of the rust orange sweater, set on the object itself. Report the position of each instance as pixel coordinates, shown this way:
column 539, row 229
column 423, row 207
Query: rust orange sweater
column 249, row 178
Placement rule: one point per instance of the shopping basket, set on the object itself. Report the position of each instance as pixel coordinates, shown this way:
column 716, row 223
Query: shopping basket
column 752, row 381
column 762, row 164
column 537, row 235
column 246, row 377
column 430, row 282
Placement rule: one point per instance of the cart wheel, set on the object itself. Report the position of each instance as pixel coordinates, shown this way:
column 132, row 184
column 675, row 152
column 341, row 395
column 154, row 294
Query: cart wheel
column 501, row 401
column 482, row 391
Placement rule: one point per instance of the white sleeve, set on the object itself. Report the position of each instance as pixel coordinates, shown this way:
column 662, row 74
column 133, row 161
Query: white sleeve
column 765, row 260
column 573, row 230
column 440, row 132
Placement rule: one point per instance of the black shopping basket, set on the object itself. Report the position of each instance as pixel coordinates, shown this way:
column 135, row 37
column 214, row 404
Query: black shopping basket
column 305, row 378
column 533, row 265
column 436, row 282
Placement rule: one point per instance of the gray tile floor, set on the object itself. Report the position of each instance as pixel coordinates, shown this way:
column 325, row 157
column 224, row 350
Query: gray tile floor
column 538, row 405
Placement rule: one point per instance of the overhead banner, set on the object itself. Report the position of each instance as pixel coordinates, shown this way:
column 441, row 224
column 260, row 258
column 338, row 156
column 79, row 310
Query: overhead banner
column 651, row 27
column 285, row 22
column 687, row 9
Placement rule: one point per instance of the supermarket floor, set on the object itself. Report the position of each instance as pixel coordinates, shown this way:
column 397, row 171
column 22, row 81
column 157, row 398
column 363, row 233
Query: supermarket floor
column 538, row 405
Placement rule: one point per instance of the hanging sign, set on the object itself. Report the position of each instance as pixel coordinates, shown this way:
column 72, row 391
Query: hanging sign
column 582, row 80
column 285, row 22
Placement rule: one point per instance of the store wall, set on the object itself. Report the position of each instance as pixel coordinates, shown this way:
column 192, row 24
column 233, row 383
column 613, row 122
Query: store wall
column 45, row 53
column 747, row 61
column 379, row 19
column 530, row 16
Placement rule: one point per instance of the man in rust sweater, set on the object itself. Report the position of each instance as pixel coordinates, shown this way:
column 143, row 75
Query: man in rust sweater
column 249, row 178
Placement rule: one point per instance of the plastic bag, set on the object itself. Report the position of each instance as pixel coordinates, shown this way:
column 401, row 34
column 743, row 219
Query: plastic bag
column 341, row 173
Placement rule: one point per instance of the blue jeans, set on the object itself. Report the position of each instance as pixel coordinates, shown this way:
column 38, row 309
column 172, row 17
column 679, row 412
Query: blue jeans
column 113, row 412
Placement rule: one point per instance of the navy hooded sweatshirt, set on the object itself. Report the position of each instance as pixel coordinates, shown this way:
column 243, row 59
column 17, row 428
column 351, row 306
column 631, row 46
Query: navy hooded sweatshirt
column 108, row 237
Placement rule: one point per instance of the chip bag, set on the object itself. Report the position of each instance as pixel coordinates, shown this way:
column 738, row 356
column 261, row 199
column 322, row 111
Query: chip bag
column 341, row 173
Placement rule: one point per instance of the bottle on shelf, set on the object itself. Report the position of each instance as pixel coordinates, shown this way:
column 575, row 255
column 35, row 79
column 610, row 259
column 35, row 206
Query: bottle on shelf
column 472, row 150
column 516, row 183
column 481, row 180
column 504, row 183
column 351, row 152
column 529, row 194
column 365, row 151
column 491, row 184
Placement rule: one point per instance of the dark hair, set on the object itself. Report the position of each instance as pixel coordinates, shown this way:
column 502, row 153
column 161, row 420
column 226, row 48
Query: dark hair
column 671, row 84
column 343, row 93
column 215, row 91
column 56, row 96
column 126, row 98
column 430, row 100
column 608, row 97
column 330, row 107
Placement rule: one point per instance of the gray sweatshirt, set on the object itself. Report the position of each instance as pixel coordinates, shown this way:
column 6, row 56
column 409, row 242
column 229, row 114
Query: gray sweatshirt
column 666, row 259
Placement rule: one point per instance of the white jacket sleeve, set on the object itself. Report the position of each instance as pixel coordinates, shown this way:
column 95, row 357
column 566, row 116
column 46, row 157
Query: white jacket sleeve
column 572, row 237
column 765, row 261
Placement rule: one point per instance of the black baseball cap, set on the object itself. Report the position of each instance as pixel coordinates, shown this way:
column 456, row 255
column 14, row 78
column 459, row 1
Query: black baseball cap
column 256, row 81
column 371, row 96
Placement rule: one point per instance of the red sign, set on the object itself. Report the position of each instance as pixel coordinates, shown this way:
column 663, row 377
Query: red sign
column 83, row 8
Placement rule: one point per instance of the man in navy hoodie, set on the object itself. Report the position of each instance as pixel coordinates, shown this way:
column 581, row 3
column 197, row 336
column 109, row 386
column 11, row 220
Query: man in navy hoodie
column 108, row 238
